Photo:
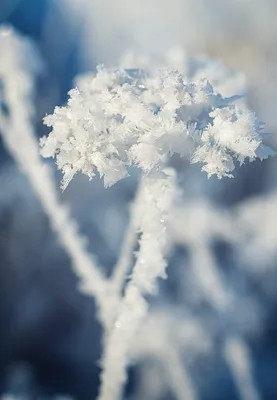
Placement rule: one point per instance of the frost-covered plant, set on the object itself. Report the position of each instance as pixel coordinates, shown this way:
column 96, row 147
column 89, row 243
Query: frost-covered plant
column 121, row 118
column 128, row 117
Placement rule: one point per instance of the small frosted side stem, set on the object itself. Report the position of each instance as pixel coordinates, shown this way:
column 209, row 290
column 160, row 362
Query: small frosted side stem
column 237, row 356
column 179, row 379
column 16, row 128
column 22, row 146
column 235, row 351
column 157, row 196
column 123, row 265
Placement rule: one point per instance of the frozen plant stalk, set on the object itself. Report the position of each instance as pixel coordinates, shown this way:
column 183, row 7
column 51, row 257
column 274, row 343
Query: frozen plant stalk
column 157, row 198
column 120, row 118
column 19, row 65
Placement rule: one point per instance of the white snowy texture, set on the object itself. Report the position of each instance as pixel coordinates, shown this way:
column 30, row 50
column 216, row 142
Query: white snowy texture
column 119, row 118
column 156, row 204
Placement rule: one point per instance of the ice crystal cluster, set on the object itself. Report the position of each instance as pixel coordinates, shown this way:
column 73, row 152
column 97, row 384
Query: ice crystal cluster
column 123, row 117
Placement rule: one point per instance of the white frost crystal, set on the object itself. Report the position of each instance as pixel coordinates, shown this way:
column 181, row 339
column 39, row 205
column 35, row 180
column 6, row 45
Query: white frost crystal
column 118, row 118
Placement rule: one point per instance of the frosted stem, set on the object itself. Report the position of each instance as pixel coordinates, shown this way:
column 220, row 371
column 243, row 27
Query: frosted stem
column 39, row 175
column 150, row 264
column 238, row 359
column 235, row 350
column 19, row 139
column 181, row 383
column 125, row 257
column 208, row 276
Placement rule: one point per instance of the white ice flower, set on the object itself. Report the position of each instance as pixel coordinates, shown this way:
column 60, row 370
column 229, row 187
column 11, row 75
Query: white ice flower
column 118, row 118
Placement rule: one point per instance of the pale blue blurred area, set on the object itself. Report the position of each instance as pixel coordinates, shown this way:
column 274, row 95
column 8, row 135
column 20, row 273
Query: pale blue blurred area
column 46, row 324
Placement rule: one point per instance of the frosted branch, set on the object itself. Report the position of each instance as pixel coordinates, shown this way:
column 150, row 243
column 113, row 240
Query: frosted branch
column 238, row 358
column 19, row 138
column 123, row 264
column 150, row 264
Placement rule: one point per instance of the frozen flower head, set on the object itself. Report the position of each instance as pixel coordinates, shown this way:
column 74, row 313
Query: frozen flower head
column 119, row 118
